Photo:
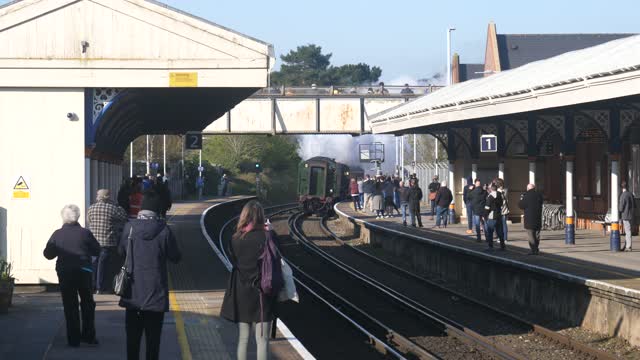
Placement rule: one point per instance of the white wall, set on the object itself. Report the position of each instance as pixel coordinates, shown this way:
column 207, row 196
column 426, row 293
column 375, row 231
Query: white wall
column 38, row 142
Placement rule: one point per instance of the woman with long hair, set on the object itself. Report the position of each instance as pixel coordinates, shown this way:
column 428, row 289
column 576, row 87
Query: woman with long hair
column 243, row 302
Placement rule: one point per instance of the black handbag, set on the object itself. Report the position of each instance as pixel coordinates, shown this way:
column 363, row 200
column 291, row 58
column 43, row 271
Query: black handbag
column 122, row 281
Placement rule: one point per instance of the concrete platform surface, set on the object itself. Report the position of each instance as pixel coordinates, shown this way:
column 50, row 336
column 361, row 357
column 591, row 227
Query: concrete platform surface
column 589, row 260
column 34, row 328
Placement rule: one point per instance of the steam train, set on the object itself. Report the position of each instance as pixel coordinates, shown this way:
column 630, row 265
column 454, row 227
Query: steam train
column 322, row 182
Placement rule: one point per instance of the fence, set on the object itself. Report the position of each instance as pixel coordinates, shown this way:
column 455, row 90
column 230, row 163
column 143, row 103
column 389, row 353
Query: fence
column 426, row 171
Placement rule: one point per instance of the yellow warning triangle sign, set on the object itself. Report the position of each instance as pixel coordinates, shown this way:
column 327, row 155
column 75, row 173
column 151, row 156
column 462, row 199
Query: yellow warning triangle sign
column 21, row 184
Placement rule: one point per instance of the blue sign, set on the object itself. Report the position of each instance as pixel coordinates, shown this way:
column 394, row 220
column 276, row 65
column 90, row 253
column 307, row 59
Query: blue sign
column 488, row 143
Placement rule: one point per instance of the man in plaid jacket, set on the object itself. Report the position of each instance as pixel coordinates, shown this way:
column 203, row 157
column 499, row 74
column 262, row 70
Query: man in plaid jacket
column 106, row 220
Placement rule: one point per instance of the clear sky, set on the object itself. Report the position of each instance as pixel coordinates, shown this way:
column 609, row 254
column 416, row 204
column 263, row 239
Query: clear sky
column 407, row 39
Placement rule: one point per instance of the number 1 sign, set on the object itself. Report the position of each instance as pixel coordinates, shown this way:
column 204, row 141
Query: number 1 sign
column 488, row 143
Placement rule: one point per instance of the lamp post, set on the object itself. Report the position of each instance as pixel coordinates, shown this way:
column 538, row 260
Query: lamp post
column 449, row 30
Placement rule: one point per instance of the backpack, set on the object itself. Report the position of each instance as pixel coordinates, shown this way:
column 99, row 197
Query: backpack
column 271, row 279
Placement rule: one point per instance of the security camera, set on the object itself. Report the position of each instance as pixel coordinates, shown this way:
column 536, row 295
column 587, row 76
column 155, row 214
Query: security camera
column 71, row 116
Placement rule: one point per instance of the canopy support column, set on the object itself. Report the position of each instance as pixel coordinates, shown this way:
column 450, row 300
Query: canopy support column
column 569, row 229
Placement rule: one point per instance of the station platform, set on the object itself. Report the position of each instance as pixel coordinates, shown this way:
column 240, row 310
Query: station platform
column 34, row 327
column 588, row 262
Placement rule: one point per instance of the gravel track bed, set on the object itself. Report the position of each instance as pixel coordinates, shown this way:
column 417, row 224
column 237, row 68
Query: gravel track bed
column 496, row 327
column 421, row 331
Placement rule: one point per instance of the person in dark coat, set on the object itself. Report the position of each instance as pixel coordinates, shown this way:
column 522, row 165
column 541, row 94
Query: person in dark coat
column 443, row 199
column 477, row 198
column 531, row 203
column 493, row 216
column 165, row 196
column 153, row 244
column 627, row 213
column 415, row 196
column 467, row 204
column 74, row 246
column 404, row 193
column 243, row 302
column 433, row 189
column 123, row 194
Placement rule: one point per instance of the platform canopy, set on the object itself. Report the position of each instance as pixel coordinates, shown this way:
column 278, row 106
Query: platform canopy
column 607, row 71
column 122, row 43
column 146, row 68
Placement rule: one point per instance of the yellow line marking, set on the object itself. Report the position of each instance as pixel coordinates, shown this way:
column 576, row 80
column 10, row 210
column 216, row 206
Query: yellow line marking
column 182, row 333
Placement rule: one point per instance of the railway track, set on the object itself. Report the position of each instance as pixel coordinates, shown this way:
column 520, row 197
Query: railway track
column 535, row 342
column 393, row 321
column 350, row 340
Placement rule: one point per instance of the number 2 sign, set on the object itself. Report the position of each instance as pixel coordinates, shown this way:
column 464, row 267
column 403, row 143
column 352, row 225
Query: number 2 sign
column 488, row 143
column 193, row 141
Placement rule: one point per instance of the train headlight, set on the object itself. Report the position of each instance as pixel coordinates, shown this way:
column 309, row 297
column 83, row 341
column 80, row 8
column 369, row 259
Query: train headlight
column 331, row 191
column 306, row 165
column 346, row 173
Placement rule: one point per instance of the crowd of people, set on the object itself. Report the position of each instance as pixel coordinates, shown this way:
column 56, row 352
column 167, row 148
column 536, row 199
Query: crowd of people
column 383, row 195
column 486, row 205
column 136, row 224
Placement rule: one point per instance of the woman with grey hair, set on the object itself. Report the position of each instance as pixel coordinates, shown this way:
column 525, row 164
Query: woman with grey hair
column 74, row 246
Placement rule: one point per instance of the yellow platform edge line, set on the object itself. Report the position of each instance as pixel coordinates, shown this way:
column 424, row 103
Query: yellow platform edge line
column 182, row 333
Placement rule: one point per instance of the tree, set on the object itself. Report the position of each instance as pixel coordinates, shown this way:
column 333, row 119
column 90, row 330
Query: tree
column 308, row 65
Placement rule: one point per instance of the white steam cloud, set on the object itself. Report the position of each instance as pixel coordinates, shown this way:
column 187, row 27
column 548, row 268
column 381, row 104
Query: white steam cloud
column 345, row 149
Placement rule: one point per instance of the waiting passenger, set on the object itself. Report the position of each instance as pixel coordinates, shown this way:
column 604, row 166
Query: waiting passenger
column 243, row 302
column 467, row 204
column 378, row 198
column 433, row 189
column 368, row 188
column 123, row 194
column 106, row 221
column 361, row 193
column 135, row 200
column 152, row 245
column 627, row 211
column 355, row 195
column 415, row 196
column 493, row 216
column 74, row 246
column 531, row 203
column 505, row 207
column 403, row 193
column 443, row 199
column 477, row 197
column 389, row 193
column 165, row 195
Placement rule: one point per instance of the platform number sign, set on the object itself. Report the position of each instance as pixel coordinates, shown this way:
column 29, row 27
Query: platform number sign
column 193, row 141
column 488, row 143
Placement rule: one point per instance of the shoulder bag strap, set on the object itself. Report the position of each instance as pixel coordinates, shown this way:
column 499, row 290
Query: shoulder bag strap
column 128, row 261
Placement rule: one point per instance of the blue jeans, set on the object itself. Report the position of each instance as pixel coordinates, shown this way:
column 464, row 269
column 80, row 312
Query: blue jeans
column 476, row 223
column 101, row 266
column 361, row 199
column 469, row 216
column 442, row 213
column 505, row 231
column 405, row 209
column 433, row 208
column 494, row 225
column 396, row 198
